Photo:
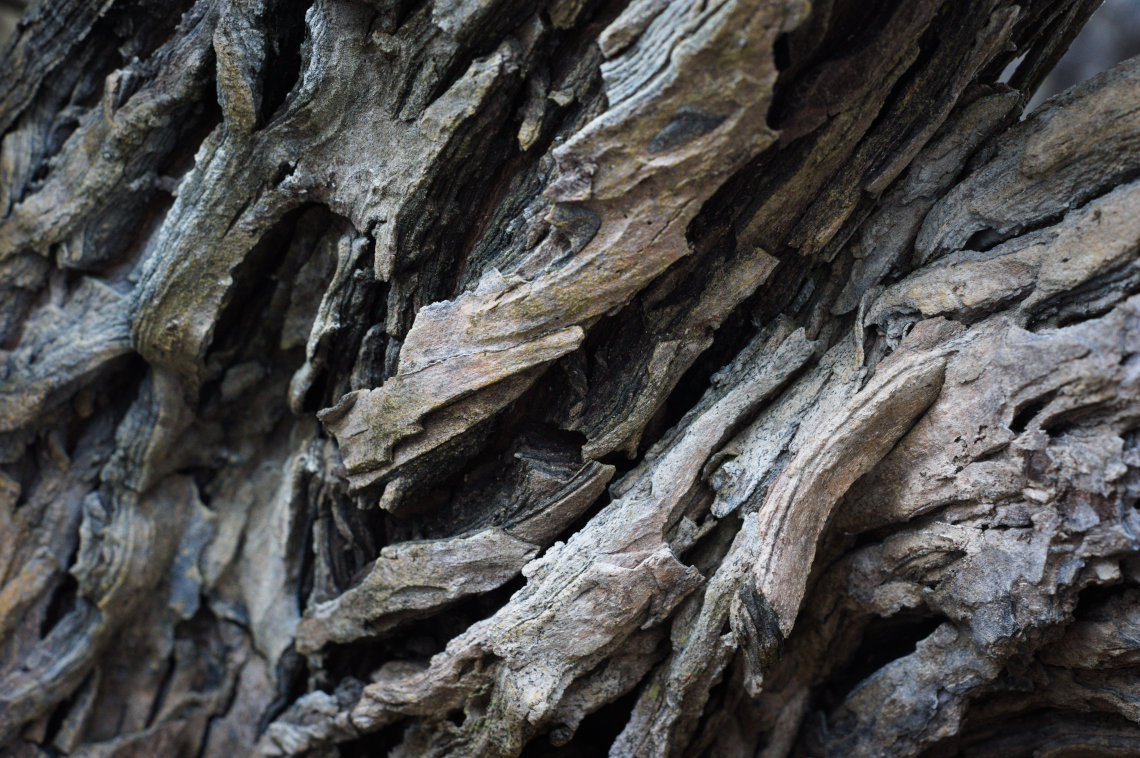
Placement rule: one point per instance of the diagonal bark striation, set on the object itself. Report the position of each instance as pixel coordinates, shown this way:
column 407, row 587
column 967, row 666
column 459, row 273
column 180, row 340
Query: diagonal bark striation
column 498, row 378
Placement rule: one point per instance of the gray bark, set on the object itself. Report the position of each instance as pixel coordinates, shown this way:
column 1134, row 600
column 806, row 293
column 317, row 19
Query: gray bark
column 496, row 378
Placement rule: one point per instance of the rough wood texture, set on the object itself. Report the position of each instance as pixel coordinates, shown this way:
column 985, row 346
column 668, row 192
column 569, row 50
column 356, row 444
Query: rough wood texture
column 499, row 378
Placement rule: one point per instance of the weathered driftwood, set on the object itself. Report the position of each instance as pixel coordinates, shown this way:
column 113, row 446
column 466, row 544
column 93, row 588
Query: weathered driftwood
column 483, row 377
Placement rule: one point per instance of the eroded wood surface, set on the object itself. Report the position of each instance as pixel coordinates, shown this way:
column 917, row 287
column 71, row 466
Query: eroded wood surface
column 498, row 378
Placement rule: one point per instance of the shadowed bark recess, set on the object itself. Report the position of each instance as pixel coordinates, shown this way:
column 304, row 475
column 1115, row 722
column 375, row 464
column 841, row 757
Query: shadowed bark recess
column 499, row 378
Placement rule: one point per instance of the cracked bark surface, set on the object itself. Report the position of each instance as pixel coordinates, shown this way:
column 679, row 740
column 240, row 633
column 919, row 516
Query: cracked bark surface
column 496, row 378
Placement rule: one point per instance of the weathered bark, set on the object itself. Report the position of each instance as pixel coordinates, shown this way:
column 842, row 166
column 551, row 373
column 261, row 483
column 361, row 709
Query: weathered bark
column 486, row 377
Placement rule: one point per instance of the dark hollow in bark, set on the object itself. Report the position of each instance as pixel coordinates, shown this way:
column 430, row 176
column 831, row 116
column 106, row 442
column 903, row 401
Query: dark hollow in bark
column 501, row 378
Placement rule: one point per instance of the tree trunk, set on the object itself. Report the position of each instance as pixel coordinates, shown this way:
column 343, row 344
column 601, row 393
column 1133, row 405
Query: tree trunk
column 498, row 378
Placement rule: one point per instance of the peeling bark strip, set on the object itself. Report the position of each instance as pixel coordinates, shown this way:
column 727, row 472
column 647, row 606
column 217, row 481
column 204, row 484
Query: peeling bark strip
column 490, row 378
column 637, row 180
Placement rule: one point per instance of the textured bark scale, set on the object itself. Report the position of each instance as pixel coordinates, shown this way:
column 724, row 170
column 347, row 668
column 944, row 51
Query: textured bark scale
column 500, row 378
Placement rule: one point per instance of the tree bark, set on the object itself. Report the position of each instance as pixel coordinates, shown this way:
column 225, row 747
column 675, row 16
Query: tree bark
column 498, row 378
